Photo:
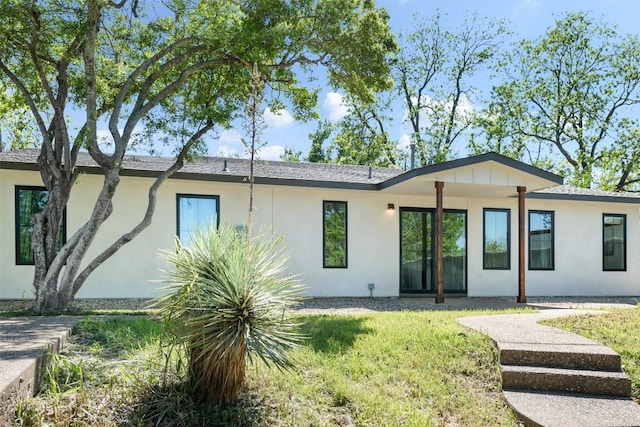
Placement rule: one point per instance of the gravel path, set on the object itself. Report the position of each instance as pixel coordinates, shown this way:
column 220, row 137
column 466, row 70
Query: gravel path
column 367, row 305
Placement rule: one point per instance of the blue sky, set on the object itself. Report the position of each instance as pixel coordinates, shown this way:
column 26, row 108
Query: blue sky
column 527, row 18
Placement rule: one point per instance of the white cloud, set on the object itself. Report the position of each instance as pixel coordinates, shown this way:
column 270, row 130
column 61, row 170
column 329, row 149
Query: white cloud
column 105, row 140
column 230, row 136
column 278, row 119
column 465, row 107
column 404, row 142
column 337, row 109
column 270, row 152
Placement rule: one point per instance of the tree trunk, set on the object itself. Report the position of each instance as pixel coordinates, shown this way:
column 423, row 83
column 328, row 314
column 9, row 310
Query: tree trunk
column 46, row 232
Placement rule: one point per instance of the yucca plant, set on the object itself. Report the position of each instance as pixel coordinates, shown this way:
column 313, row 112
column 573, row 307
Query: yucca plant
column 229, row 300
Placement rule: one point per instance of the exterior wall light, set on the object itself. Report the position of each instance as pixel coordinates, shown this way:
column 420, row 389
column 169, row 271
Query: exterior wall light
column 391, row 206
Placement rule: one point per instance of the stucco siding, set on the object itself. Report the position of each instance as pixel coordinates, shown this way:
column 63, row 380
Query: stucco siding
column 135, row 270
column 483, row 282
column 579, row 252
column 372, row 241
column 296, row 212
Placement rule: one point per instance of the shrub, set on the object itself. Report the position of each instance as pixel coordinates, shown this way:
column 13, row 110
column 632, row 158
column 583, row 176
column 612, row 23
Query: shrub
column 228, row 300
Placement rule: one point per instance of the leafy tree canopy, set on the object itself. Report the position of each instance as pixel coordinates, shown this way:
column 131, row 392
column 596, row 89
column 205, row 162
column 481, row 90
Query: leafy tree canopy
column 569, row 103
column 167, row 77
column 435, row 69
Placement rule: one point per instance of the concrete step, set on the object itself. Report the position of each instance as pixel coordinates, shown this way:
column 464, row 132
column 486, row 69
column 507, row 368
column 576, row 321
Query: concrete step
column 582, row 357
column 565, row 380
column 573, row 410
column 25, row 346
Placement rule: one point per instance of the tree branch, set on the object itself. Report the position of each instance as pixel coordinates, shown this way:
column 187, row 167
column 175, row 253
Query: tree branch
column 137, row 114
column 30, row 101
column 126, row 87
column 35, row 34
column 146, row 220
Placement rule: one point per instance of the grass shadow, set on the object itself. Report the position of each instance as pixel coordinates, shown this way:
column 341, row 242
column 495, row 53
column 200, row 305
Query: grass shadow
column 333, row 334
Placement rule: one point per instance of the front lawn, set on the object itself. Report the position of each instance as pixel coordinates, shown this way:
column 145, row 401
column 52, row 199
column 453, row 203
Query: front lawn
column 378, row 369
column 619, row 329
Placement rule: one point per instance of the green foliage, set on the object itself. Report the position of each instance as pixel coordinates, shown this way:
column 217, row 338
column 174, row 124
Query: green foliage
column 433, row 69
column 291, row 155
column 228, row 300
column 63, row 375
column 363, row 136
column 568, row 101
column 318, row 137
column 16, row 131
column 162, row 78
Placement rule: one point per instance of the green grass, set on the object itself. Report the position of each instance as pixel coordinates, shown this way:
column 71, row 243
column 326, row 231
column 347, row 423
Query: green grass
column 378, row 369
column 618, row 329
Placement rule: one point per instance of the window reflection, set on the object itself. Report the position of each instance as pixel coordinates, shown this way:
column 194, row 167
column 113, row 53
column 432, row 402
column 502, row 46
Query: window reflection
column 496, row 239
column 194, row 212
column 335, row 234
column 29, row 201
column 614, row 242
column 541, row 240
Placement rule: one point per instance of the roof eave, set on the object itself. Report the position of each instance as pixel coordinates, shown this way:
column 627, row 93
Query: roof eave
column 4, row 164
column 584, row 198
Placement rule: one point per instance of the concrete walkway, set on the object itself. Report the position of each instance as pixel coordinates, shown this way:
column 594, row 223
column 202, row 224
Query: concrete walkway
column 579, row 375
column 24, row 345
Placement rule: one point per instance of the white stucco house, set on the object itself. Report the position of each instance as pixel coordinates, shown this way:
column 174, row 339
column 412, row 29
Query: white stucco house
column 507, row 228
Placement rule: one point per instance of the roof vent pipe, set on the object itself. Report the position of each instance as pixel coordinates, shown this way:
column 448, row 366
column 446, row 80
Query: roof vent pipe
column 369, row 177
column 225, row 169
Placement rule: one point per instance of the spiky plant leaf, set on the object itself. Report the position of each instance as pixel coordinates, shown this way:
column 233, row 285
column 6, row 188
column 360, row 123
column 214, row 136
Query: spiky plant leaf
column 229, row 298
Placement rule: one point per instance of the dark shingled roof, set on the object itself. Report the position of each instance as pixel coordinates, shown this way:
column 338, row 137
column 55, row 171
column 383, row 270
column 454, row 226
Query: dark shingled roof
column 310, row 174
column 586, row 194
column 212, row 169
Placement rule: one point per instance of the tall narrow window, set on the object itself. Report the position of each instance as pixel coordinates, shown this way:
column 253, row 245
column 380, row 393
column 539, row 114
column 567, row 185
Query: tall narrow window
column 29, row 201
column 196, row 211
column 496, row 244
column 334, row 229
column 541, row 243
column 614, row 242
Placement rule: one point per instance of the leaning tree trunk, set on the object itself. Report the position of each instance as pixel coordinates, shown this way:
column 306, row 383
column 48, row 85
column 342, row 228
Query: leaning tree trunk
column 46, row 259
column 55, row 271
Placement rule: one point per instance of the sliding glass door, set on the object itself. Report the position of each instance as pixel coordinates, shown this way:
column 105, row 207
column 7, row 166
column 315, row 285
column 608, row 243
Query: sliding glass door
column 417, row 251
